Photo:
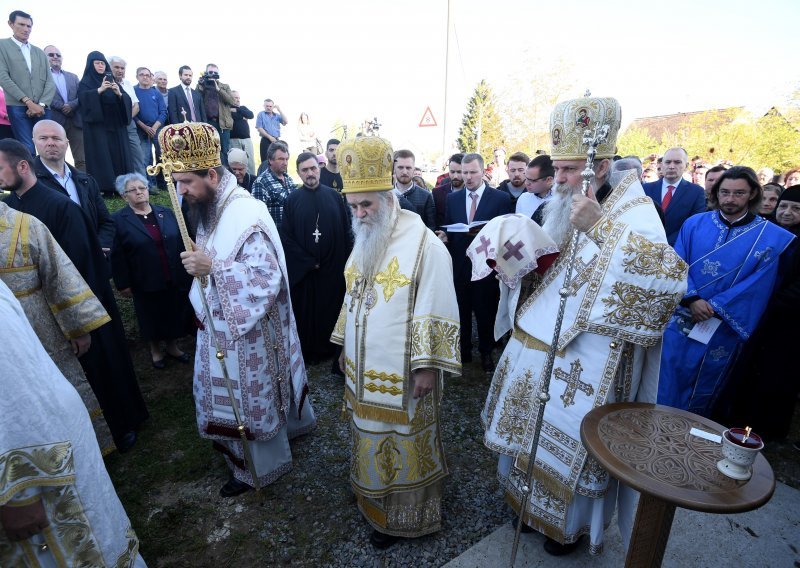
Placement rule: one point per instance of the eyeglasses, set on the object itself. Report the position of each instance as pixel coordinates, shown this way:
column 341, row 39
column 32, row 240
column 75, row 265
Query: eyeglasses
column 53, row 55
column 135, row 190
column 535, row 180
column 736, row 194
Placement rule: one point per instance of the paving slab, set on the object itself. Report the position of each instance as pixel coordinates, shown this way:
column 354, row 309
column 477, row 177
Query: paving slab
column 767, row 537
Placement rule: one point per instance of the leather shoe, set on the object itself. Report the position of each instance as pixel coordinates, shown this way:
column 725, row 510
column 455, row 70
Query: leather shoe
column 487, row 362
column 233, row 488
column 525, row 528
column 160, row 364
column 382, row 541
column 555, row 548
column 182, row 358
column 127, row 442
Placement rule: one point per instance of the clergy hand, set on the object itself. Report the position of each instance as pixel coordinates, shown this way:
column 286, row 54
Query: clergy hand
column 442, row 236
column 701, row 310
column 423, row 382
column 585, row 212
column 20, row 523
column 80, row 345
column 196, row 262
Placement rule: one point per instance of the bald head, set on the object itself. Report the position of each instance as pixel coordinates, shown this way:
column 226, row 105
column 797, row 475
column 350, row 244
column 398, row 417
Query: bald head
column 53, row 57
column 51, row 143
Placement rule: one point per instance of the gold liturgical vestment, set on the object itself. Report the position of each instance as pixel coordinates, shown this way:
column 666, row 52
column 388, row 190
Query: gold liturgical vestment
column 57, row 301
column 405, row 319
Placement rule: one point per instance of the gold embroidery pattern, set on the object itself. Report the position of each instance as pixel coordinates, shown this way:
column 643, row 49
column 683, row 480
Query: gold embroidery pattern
column 359, row 467
column 338, row 329
column 423, row 414
column 419, row 456
column 24, row 466
column 391, row 279
column 383, row 389
column 126, row 558
column 599, row 233
column 593, row 473
column 74, row 532
column 351, row 274
column 574, row 383
column 387, row 460
column 350, row 369
column 638, row 308
column 517, row 406
column 650, row 259
column 435, row 339
column 498, row 381
column 382, row 376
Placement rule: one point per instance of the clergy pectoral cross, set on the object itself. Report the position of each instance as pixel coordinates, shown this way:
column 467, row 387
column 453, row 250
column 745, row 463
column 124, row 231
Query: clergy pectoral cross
column 574, row 383
column 183, row 112
column 316, row 232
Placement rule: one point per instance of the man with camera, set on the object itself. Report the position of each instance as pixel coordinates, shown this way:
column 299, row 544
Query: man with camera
column 217, row 102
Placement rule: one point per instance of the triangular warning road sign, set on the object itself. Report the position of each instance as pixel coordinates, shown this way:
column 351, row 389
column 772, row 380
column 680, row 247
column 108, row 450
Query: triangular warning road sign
column 427, row 118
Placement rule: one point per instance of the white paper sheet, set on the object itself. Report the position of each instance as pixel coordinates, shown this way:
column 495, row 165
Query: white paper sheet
column 463, row 227
column 706, row 435
column 703, row 330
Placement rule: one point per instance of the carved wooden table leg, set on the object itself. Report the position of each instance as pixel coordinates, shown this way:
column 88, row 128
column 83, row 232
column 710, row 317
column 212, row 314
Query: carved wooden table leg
column 650, row 532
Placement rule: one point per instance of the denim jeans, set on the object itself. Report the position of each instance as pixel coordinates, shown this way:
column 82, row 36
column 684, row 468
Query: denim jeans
column 22, row 125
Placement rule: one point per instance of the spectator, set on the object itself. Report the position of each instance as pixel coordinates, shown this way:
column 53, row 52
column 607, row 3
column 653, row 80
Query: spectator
column 329, row 175
column 421, row 200
column 699, row 173
column 274, row 185
column 64, row 108
column 152, row 115
column 791, row 178
column 308, row 138
column 770, row 194
column 240, row 133
column 678, row 198
column 237, row 164
column 498, row 167
column 217, row 101
column 5, row 124
column 449, row 183
column 268, row 125
column 419, row 181
column 539, row 178
column 146, row 266
column 649, row 174
column 514, row 186
column 765, row 175
column 118, row 67
column 25, row 78
column 183, row 102
column 712, row 176
column 105, row 111
column 160, row 79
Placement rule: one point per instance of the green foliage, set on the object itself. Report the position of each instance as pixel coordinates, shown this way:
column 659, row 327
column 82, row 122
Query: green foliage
column 637, row 142
column 481, row 127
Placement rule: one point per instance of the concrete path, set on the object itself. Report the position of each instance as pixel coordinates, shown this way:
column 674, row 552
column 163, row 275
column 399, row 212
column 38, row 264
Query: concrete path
column 767, row 537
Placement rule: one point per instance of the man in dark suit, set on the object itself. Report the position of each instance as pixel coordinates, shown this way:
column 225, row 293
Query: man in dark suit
column 420, row 198
column 178, row 100
column 678, row 198
column 64, row 108
column 54, row 173
column 450, row 183
column 478, row 202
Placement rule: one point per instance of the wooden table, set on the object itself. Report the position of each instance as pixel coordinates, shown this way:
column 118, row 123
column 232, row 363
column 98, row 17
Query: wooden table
column 648, row 447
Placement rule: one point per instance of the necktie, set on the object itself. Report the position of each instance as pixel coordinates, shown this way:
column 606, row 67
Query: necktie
column 191, row 103
column 667, row 198
column 474, row 206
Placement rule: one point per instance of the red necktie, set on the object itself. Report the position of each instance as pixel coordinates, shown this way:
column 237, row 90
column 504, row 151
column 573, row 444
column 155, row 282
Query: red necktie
column 472, row 209
column 667, row 198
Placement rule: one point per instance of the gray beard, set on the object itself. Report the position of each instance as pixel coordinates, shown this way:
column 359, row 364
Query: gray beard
column 372, row 240
column 556, row 215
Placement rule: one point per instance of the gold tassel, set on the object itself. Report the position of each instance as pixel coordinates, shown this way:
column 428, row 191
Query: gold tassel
column 379, row 414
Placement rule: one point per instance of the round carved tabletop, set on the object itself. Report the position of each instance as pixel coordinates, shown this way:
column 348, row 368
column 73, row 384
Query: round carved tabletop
column 648, row 447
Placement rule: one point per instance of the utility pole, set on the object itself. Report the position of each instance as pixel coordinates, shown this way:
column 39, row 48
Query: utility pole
column 446, row 75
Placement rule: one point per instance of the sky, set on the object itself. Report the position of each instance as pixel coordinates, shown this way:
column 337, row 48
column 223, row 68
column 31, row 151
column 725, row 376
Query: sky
column 358, row 59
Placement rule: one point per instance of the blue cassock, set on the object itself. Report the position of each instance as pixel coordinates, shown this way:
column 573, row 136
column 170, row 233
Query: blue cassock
column 734, row 269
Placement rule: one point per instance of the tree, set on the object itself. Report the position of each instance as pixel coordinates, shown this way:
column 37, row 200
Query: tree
column 636, row 142
column 481, row 129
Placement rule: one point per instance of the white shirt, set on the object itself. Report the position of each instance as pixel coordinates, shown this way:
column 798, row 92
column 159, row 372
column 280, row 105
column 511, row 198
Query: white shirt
column 529, row 202
column 26, row 52
column 66, row 182
column 665, row 184
column 128, row 88
column 479, row 193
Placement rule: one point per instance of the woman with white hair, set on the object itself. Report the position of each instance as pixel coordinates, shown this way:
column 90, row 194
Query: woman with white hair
column 146, row 265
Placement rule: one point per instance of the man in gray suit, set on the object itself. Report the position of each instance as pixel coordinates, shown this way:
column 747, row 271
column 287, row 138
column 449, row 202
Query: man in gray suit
column 25, row 79
column 64, row 108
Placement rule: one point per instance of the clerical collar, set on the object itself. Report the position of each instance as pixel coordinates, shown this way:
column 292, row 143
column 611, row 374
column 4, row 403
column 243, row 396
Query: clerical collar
column 603, row 192
column 741, row 221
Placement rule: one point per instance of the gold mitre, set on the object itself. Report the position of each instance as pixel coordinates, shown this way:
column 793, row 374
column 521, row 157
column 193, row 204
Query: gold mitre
column 570, row 119
column 365, row 163
column 196, row 144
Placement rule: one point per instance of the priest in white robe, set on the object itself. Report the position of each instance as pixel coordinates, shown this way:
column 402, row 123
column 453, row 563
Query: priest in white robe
column 626, row 282
column 57, row 504
column 242, row 274
column 399, row 330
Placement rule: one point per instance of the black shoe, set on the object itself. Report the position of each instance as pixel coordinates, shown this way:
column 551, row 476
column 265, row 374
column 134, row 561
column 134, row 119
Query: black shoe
column 160, row 364
column 127, row 442
column 554, row 548
column 182, row 358
column 525, row 528
column 382, row 541
column 487, row 362
column 335, row 370
column 233, row 488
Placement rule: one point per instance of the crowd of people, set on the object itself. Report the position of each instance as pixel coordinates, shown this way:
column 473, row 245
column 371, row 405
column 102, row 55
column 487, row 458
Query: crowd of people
column 682, row 272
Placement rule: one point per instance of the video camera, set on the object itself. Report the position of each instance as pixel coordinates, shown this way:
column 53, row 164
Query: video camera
column 209, row 77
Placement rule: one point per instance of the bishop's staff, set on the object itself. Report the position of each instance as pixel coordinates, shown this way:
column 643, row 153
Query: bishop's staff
column 167, row 167
column 593, row 140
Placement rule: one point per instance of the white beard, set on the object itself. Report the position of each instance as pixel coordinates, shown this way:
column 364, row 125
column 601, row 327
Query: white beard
column 372, row 239
column 556, row 215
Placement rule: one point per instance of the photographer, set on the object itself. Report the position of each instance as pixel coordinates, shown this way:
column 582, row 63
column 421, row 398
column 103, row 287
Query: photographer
column 217, row 102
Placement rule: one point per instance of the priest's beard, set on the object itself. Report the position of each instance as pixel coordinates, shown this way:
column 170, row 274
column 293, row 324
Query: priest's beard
column 372, row 236
column 200, row 208
column 556, row 213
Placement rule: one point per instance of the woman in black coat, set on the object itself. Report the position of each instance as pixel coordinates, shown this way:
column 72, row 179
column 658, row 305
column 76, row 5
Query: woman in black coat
column 106, row 111
column 146, row 265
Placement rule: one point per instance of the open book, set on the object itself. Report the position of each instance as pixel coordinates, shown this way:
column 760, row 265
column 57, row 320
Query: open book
column 463, row 227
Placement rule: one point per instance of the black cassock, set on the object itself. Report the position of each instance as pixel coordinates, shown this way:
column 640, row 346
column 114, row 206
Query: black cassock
column 316, row 264
column 107, row 364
